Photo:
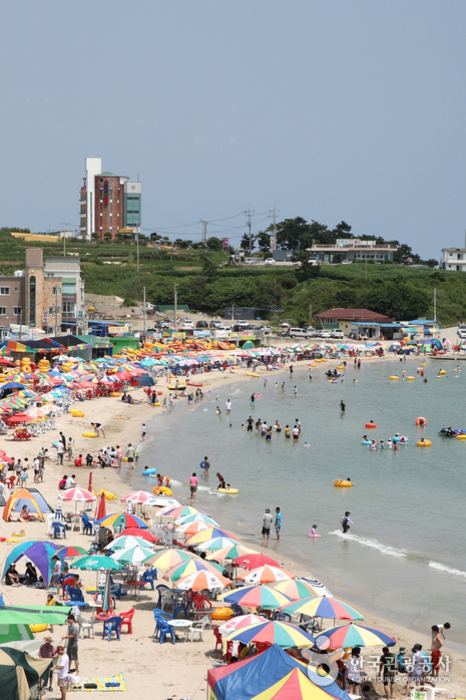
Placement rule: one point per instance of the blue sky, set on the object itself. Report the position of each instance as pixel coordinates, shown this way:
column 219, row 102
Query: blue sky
column 328, row 110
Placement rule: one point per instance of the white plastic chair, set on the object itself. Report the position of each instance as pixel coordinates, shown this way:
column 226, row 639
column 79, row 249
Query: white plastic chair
column 199, row 629
column 86, row 624
column 50, row 518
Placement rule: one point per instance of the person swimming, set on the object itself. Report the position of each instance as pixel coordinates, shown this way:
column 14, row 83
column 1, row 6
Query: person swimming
column 313, row 532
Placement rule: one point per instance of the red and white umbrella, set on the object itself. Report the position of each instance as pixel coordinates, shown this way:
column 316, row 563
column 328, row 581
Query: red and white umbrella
column 241, row 621
column 79, row 495
column 138, row 497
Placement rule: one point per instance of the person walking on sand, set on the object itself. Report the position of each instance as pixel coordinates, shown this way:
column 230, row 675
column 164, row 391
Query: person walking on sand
column 267, row 521
column 130, row 455
column 193, row 486
column 387, row 670
column 62, row 669
column 278, row 522
column 346, row 522
column 143, row 432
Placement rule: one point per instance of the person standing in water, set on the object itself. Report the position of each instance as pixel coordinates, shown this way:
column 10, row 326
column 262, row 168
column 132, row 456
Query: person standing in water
column 278, row 522
column 342, row 406
column 346, row 522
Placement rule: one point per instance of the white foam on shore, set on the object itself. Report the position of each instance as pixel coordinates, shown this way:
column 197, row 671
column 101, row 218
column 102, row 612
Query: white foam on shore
column 447, row 569
column 373, row 544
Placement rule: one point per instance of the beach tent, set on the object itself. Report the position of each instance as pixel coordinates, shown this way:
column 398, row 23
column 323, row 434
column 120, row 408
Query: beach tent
column 38, row 552
column 31, row 498
column 20, row 672
column 272, row 674
column 14, row 633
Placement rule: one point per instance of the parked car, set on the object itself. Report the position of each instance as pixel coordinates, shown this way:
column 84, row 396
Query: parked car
column 312, row 332
column 187, row 324
column 269, row 261
column 202, row 324
column 337, row 333
column 223, row 328
column 346, row 262
column 266, row 329
column 323, row 334
column 215, row 324
column 297, row 333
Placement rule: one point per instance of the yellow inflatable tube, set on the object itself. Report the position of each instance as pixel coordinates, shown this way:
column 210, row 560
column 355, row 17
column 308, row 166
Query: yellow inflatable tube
column 251, row 374
column 38, row 628
column 163, row 491
column 442, row 371
column 342, row 483
column 425, row 443
column 461, row 437
column 232, row 492
column 410, row 379
column 89, row 434
column 394, row 378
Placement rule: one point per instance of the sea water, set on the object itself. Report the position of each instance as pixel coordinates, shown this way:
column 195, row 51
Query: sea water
column 404, row 557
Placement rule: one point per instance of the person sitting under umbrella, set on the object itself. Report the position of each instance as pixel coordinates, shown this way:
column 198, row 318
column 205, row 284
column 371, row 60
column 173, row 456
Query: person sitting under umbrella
column 25, row 515
column 12, row 576
column 31, row 574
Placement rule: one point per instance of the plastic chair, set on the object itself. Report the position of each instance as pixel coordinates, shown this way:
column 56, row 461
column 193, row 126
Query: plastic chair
column 113, row 624
column 88, row 525
column 76, row 596
column 127, row 618
column 65, row 584
column 59, row 531
column 160, row 615
column 117, row 589
column 11, row 481
column 149, row 577
column 179, row 604
column 199, row 629
column 200, row 603
column 86, row 624
column 218, row 639
column 165, row 595
column 162, row 629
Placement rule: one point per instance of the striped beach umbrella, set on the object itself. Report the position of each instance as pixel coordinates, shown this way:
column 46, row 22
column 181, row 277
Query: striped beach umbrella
column 208, row 534
column 138, row 497
column 185, row 568
column 273, row 632
column 203, row 581
column 232, row 551
column 134, row 556
column 194, row 518
column 239, row 621
column 123, row 520
column 70, row 552
column 168, row 558
column 216, row 543
column 267, row 574
column 128, row 541
column 255, row 560
column 300, row 588
column 256, row 597
column 322, row 607
column 353, row 636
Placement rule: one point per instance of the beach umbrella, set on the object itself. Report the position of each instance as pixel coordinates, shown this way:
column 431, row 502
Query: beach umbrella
column 208, row 534
column 353, row 636
column 38, row 552
column 78, row 495
column 134, row 556
column 95, row 562
column 138, row 497
column 179, row 511
column 195, row 518
column 253, row 561
column 185, row 568
column 217, row 543
column 190, row 529
column 123, row 520
column 163, row 502
column 235, row 623
column 300, row 588
column 232, row 551
column 256, row 597
column 322, row 607
column 101, row 508
column 202, row 581
column 70, row 552
column 267, row 574
column 273, row 632
column 128, row 541
column 168, row 558
column 140, row 533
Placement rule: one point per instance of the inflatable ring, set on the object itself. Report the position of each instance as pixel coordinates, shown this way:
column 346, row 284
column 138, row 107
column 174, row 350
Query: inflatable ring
column 423, row 364
column 394, row 378
column 232, row 492
column 341, row 367
column 423, row 443
column 370, row 425
column 402, row 439
column 342, row 483
column 461, row 437
column 442, row 371
column 222, row 614
column 366, row 442
column 149, row 471
column 38, row 628
column 120, row 417
column 89, row 434
column 421, row 421
column 162, row 491
column 115, row 393
column 410, row 379
column 251, row 374
column 77, row 414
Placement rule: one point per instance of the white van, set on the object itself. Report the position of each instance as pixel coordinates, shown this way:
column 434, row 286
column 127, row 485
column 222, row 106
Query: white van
column 298, row 333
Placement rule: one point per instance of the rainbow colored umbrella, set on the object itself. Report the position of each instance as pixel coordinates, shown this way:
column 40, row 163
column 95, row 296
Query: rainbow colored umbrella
column 128, row 541
column 255, row 560
column 194, row 518
column 217, row 543
column 190, row 567
column 134, row 556
column 353, row 636
column 178, row 512
column 322, row 607
column 239, row 621
column 169, row 558
column 190, row 529
column 267, row 574
column 299, row 588
column 70, row 552
column 208, row 535
column 123, row 519
column 273, row 632
column 256, row 597
column 202, row 581
column 230, row 552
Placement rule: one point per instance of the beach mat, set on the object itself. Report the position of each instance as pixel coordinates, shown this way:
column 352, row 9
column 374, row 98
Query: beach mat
column 103, row 685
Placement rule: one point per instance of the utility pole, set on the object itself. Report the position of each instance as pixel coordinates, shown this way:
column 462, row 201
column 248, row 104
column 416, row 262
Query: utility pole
column 137, row 251
column 204, row 231
column 310, row 314
column 56, row 310
column 273, row 243
column 435, row 303
column 249, row 214
column 64, row 240
column 144, row 298
column 175, row 306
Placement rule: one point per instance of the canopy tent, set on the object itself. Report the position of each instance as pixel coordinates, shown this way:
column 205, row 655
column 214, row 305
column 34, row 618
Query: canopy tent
column 19, row 672
column 38, row 552
column 266, row 676
column 33, row 615
column 32, row 498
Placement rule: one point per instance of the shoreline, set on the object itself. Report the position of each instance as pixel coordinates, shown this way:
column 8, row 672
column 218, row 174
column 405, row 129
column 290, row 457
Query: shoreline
column 123, row 431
